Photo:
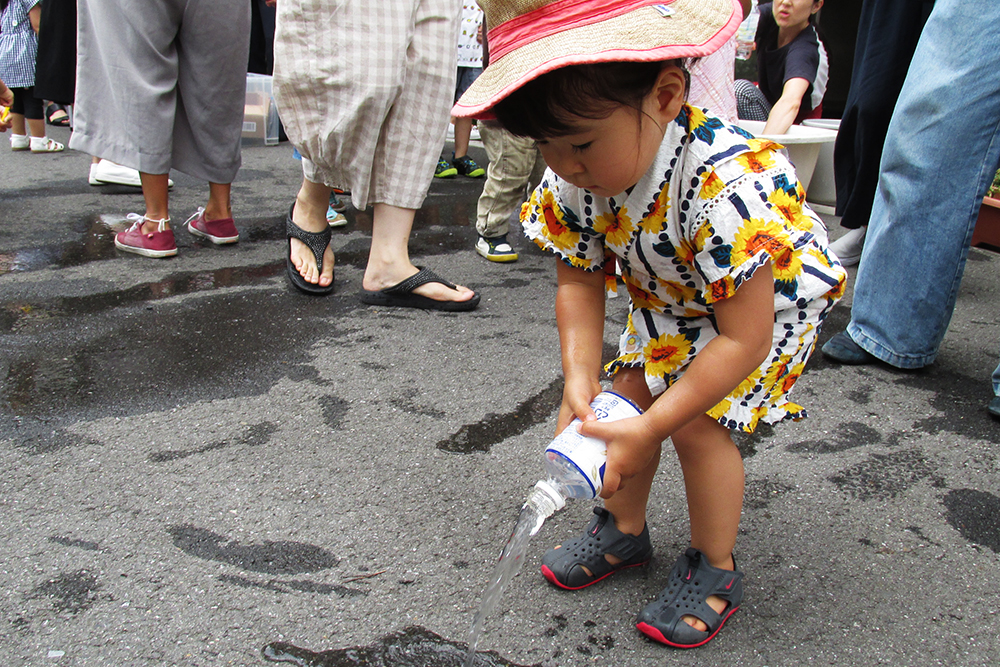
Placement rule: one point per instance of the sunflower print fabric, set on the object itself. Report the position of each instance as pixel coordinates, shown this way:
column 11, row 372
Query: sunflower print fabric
column 715, row 205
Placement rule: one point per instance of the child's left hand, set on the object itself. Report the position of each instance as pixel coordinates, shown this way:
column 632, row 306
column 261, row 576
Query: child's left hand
column 631, row 446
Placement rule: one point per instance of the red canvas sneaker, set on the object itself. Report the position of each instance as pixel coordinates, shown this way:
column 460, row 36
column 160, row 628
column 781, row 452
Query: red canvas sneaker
column 219, row 231
column 148, row 244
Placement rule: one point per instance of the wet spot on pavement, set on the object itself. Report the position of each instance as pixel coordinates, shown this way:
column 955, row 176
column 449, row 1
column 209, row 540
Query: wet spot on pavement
column 861, row 395
column 958, row 404
column 256, row 435
column 760, row 492
column 883, row 476
column 847, row 436
column 40, row 438
column 299, row 585
column 334, row 410
column 495, row 428
column 976, row 515
column 71, row 592
column 267, row 557
column 77, row 544
column 413, row 647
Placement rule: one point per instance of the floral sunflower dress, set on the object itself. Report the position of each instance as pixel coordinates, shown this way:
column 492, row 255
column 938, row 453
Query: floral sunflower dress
column 715, row 205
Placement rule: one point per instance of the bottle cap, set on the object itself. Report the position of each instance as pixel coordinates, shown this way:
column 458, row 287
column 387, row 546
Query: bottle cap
column 552, row 492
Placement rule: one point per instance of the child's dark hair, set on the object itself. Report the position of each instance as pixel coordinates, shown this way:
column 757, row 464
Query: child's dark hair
column 542, row 107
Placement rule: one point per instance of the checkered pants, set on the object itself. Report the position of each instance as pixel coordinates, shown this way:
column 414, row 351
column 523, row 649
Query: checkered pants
column 364, row 90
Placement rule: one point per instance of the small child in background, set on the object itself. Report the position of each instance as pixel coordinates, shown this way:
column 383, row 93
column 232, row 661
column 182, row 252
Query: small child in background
column 470, row 65
column 727, row 270
column 19, row 20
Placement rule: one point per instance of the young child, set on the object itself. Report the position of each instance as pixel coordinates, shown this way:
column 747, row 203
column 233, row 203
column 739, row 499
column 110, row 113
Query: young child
column 19, row 23
column 727, row 270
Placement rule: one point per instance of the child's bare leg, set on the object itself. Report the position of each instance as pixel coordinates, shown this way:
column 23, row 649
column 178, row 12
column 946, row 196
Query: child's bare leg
column 713, row 480
column 628, row 505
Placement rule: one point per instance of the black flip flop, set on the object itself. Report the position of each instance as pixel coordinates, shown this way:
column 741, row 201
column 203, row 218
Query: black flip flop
column 401, row 294
column 318, row 243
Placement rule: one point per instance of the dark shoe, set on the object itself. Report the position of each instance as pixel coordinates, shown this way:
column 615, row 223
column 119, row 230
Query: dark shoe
column 401, row 294
column 55, row 114
column 466, row 166
column 842, row 349
column 318, row 243
column 219, row 232
column 445, row 169
column 496, row 249
column 994, row 407
column 563, row 567
column 692, row 581
column 153, row 244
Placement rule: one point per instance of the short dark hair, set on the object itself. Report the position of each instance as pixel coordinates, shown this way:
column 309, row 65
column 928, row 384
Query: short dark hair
column 543, row 106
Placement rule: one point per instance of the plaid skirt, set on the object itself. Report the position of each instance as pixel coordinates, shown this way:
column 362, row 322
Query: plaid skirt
column 364, row 90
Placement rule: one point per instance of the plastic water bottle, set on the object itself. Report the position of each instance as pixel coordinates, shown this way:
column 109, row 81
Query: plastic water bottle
column 575, row 463
column 747, row 33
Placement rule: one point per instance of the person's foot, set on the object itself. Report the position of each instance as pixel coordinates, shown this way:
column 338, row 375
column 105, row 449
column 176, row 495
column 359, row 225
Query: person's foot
column 19, row 142
column 842, row 349
column 219, row 232
column 445, row 169
column 849, row 246
column 496, row 249
column 46, row 145
column 432, row 290
column 106, row 172
column 336, row 203
column 149, row 238
column 311, row 219
column 335, row 218
column 466, row 166
column 994, row 407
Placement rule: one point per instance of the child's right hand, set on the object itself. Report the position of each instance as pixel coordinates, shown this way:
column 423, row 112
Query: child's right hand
column 577, row 397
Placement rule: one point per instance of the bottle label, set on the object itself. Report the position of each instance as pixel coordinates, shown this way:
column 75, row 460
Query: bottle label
column 580, row 460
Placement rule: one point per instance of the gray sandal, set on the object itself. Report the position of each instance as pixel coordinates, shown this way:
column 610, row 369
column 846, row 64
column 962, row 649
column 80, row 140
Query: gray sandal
column 318, row 243
column 692, row 581
column 563, row 567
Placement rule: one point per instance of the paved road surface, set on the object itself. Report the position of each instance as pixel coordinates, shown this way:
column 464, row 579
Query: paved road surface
column 200, row 461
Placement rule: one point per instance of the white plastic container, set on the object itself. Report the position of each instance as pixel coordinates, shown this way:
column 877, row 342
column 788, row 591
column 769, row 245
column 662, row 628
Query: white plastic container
column 801, row 142
column 575, row 463
column 260, row 113
column 823, row 188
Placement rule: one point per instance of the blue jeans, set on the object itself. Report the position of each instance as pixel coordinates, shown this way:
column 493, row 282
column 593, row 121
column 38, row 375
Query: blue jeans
column 941, row 152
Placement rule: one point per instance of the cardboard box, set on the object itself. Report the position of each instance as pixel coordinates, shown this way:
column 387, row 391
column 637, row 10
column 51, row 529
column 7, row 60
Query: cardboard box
column 260, row 115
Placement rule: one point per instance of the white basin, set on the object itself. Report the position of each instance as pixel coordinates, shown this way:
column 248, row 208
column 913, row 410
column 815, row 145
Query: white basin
column 823, row 189
column 802, row 143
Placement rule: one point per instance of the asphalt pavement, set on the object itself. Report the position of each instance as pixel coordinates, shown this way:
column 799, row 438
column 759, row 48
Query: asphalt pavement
column 200, row 462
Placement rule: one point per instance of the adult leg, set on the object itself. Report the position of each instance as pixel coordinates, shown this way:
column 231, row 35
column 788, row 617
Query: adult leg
column 407, row 150
column 934, row 174
column 887, row 36
column 309, row 213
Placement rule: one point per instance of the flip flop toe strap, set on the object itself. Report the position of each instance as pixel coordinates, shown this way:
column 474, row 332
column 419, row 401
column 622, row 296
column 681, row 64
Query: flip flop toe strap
column 421, row 277
column 315, row 241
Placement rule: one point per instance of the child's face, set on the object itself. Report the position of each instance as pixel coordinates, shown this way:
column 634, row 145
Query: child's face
column 609, row 155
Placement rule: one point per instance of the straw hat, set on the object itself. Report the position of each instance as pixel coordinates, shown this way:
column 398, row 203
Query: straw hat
column 528, row 38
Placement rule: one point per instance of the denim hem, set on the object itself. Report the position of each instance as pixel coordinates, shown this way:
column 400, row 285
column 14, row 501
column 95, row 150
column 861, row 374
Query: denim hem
column 883, row 353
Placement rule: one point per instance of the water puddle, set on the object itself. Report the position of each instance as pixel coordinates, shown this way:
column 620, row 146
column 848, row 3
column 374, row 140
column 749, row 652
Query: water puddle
column 15, row 314
column 495, row 428
column 413, row 647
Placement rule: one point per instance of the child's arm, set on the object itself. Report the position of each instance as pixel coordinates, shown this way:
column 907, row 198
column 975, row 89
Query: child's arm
column 35, row 17
column 580, row 318
column 746, row 325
